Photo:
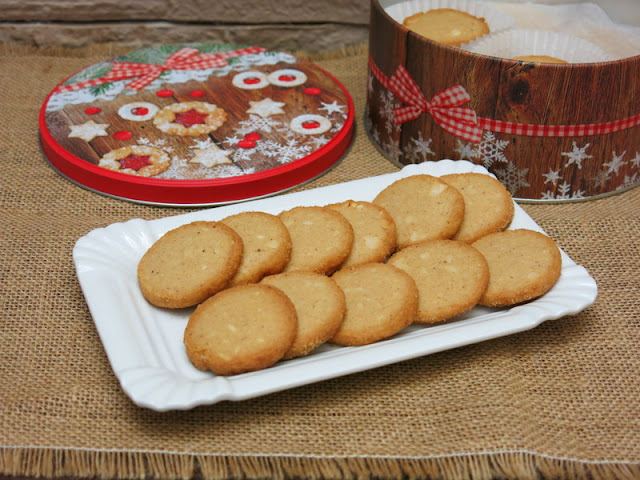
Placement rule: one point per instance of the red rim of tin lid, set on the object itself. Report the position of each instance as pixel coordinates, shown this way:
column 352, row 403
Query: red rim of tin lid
column 199, row 192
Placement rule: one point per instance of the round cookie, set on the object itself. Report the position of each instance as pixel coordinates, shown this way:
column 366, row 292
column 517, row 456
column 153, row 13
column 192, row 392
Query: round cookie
column 488, row 205
column 451, row 277
column 381, row 300
column 138, row 111
column 447, row 25
column 241, row 329
column 190, row 118
column 523, row 265
column 374, row 232
column 320, row 307
column 139, row 160
column 321, row 239
column 267, row 245
column 423, row 207
column 189, row 264
column 310, row 124
column 539, row 59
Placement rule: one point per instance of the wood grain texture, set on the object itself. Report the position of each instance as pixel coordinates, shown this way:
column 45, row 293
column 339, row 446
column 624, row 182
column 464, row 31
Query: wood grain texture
column 217, row 91
column 511, row 91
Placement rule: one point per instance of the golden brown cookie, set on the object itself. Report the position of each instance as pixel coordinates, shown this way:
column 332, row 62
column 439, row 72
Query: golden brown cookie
column 189, row 264
column 451, row 276
column 139, row 160
column 320, row 307
column 241, row 329
column 539, row 59
column 447, row 25
column 488, row 205
column 374, row 233
column 321, row 239
column 523, row 265
column 267, row 245
column 381, row 301
column 423, row 207
column 190, row 118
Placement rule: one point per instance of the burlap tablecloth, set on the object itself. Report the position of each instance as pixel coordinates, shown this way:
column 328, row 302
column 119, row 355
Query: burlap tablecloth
column 561, row 400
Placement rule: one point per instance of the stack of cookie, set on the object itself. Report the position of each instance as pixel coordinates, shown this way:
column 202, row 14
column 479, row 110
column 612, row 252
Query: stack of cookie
column 271, row 287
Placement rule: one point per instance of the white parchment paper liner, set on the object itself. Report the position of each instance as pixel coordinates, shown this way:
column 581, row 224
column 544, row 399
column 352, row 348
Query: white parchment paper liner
column 585, row 19
column 496, row 20
column 519, row 42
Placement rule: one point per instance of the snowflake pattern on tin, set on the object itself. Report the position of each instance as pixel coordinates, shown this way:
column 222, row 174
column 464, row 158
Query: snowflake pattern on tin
column 393, row 150
column 629, row 181
column 389, row 103
column 160, row 143
column 552, row 177
column 418, row 149
column 563, row 193
column 513, row 177
column 613, row 167
column 489, row 150
column 256, row 123
column 333, row 107
column 576, row 155
column 243, row 154
column 283, row 153
column 318, row 141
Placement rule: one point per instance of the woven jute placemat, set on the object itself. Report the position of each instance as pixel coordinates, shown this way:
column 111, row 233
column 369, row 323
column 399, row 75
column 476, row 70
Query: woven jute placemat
column 560, row 400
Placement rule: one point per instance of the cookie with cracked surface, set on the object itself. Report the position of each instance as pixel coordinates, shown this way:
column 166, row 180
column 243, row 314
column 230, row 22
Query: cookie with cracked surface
column 321, row 239
column 188, row 264
column 267, row 245
column 241, row 329
column 488, row 205
column 448, row 26
column 423, row 207
column 381, row 301
column 451, row 277
column 320, row 306
column 374, row 232
column 523, row 265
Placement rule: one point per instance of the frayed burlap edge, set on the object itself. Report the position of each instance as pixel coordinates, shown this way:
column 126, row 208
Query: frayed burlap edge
column 42, row 462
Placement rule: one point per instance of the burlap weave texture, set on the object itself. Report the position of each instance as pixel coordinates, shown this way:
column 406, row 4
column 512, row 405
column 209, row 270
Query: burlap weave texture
column 561, row 399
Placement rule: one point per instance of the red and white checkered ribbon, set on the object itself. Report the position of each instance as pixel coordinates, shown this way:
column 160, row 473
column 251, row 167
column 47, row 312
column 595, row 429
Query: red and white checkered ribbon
column 532, row 130
column 445, row 109
column 145, row 73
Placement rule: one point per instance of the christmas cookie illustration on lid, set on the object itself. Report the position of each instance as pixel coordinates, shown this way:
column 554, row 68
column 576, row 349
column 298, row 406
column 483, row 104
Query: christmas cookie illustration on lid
column 136, row 160
column 190, row 118
column 196, row 124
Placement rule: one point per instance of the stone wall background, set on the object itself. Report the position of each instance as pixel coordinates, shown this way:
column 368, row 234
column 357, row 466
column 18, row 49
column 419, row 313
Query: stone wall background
column 289, row 25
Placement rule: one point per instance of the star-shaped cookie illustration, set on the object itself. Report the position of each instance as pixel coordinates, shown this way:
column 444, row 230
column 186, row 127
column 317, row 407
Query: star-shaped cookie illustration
column 266, row 107
column 332, row 107
column 89, row 130
column 211, row 156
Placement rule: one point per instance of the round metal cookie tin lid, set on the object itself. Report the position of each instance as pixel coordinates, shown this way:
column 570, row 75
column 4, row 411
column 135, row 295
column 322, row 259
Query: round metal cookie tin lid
column 196, row 124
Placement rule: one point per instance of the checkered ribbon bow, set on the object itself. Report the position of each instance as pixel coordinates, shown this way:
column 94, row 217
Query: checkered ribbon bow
column 145, row 73
column 444, row 107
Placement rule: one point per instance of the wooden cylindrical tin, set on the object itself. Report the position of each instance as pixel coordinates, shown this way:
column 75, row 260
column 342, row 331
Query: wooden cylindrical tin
column 549, row 132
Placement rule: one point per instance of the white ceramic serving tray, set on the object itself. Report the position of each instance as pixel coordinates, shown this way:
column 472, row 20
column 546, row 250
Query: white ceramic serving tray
column 144, row 343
